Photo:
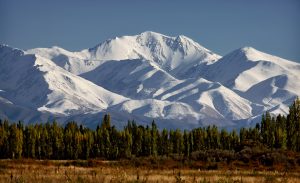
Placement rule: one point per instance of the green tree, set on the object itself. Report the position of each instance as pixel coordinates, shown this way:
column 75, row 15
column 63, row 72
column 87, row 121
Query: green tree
column 4, row 139
column 106, row 144
column 146, row 141
column 30, row 141
column 106, row 122
column 164, row 144
column 114, row 149
column 57, row 138
column 186, row 144
column 224, row 139
column 293, row 126
column 15, row 141
column 213, row 139
column 87, row 143
column 137, row 139
column 199, row 137
column 125, row 144
column 154, row 137
column 177, row 141
column 72, row 141
column 234, row 140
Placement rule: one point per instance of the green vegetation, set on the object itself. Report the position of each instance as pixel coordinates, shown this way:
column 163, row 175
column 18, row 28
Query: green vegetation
column 51, row 141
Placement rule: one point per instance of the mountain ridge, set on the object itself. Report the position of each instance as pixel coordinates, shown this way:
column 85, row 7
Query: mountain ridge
column 172, row 80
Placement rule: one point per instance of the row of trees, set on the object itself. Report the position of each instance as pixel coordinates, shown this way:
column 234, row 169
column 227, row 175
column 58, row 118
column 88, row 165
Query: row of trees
column 51, row 141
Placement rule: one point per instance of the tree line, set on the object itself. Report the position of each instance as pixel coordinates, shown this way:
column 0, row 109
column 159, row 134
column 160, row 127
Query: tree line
column 73, row 141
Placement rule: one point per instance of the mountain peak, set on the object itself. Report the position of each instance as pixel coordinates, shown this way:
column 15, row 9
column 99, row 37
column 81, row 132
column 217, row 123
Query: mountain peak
column 183, row 38
column 245, row 54
column 151, row 33
column 252, row 54
column 57, row 48
column 4, row 48
column 248, row 49
column 3, row 45
column 167, row 52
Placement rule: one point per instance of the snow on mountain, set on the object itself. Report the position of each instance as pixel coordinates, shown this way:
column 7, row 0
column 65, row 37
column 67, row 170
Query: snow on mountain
column 15, row 112
column 176, row 55
column 37, row 83
column 177, row 113
column 138, row 79
column 275, row 93
column 34, row 88
column 170, row 53
column 173, row 80
column 245, row 67
column 199, row 92
column 74, row 62
column 259, row 77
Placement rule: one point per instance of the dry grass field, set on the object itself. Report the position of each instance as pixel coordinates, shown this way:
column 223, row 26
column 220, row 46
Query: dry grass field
column 108, row 171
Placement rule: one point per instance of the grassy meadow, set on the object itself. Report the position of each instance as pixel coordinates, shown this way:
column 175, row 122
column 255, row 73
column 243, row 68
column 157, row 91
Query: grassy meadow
column 86, row 171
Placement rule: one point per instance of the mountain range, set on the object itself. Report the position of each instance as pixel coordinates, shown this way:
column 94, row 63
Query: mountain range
column 172, row 80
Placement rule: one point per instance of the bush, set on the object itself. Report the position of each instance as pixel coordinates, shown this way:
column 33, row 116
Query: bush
column 212, row 166
column 267, row 160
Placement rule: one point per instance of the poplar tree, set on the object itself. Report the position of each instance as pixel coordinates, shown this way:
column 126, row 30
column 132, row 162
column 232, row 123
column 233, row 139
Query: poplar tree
column 154, row 137
column 293, row 126
column 186, row 144
column 15, row 140
column 4, row 139
column 163, row 143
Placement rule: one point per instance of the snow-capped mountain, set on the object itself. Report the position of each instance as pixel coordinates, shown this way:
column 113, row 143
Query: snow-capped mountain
column 259, row 77
column 173, row 80
column 37, row 83
column 173, row 54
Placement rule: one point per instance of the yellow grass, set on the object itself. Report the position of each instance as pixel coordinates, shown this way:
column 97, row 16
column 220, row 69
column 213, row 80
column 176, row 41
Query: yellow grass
column 54, row 171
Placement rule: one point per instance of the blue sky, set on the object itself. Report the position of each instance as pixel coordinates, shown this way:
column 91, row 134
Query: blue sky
column 272, row 26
